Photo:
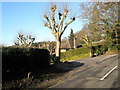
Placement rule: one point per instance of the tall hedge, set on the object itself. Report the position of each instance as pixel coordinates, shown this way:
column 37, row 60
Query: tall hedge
column 18, row 59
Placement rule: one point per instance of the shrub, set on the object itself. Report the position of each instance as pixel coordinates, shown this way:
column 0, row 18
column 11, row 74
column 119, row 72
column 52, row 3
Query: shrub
column 99, row 50
column 113, row 48
column 75, row 53
column 16, row 59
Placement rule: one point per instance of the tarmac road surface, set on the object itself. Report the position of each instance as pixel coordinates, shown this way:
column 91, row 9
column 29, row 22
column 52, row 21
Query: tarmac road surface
column 94, row 69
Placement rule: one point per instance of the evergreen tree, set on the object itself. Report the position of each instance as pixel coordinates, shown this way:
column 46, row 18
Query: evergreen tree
column 71, row 39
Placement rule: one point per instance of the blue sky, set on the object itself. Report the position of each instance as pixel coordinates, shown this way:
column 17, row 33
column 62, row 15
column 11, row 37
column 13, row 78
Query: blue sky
column 27, row 17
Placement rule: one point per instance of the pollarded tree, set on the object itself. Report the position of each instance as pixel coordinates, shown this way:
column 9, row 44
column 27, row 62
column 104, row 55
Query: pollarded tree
column 25, row 41
column 57, row 29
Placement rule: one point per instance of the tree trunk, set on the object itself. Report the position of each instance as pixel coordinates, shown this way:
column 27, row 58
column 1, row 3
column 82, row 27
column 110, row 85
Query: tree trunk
column 58, row 44
column 57, row 48
column 91, row 51
column 74, row 43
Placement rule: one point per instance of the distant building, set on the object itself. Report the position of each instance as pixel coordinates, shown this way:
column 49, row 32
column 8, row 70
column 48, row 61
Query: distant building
column 99, row 41
column 65, row 46
column 64, row 49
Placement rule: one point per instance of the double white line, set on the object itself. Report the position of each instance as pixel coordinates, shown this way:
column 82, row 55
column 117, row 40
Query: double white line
column 108, row 73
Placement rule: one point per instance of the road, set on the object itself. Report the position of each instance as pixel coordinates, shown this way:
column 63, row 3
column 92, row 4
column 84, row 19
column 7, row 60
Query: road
column 89, row 75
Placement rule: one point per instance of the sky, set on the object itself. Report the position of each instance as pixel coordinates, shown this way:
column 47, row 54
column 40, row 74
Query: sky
column 27, row 18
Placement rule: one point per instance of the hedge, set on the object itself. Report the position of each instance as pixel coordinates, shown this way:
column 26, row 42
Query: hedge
column 78, row 53
column 99, row 50
column 16, row 59
column 83, row 52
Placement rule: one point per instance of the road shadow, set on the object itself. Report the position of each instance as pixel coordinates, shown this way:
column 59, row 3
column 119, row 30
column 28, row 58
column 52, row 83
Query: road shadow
column 67, row 66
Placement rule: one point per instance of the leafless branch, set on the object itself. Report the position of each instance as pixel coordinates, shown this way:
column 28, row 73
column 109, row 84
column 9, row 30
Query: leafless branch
column 72, row 19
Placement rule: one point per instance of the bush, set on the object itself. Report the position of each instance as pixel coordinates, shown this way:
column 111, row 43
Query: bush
column 75, row 53
column 113, row 48
column 99, row 50
column 16, row 59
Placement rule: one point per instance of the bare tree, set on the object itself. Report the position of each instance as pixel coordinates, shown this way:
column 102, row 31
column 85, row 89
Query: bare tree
column 87, row 40
column 100, row 18
column 25, row 41
column 57, row 29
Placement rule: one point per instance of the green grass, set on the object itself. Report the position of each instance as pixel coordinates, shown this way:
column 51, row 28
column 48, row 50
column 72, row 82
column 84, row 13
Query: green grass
column 75, row 54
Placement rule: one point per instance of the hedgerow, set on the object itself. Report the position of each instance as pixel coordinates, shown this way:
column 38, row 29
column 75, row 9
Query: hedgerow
column 16, row 59
column 75, row 54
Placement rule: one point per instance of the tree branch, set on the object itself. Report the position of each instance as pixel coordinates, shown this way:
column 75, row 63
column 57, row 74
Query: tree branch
column 46, row 24
column 85, row 41
column 53, row 18
column 72, row 19
column 63, row 18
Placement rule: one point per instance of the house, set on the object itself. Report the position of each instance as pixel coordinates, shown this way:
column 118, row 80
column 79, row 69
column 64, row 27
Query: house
column 65, row 46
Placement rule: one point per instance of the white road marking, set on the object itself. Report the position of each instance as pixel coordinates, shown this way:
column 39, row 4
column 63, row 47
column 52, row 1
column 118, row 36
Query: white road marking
column 108, row 73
